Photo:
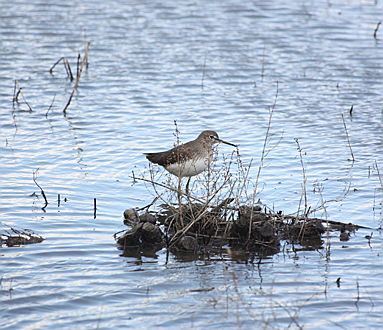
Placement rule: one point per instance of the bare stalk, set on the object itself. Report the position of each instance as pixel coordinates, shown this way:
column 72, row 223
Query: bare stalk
column 376, row 29
column 41, row 189
column 348, row 139
column 69, row 70
column 25, row 101
column 266, row 140
column 304, row 184
column 54, row 65
column 203, row 72
column 50, row 107
column 14, row 94
column 379, row 176
column 263, row 154
column 94, row 208
column 263, row 63
column 80, row 67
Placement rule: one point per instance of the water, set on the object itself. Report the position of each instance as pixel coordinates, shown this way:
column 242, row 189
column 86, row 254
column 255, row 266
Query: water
column 208, row 66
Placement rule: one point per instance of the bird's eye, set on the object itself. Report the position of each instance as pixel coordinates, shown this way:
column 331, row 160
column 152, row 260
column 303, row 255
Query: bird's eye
column 212, row 137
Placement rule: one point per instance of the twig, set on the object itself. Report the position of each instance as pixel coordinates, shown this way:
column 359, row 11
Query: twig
column 304, row 190
column 177, row 135
column 266, row 140
column 331, row 222
column 263, row 63
column 66, row 66
column 14, row 94
column 42, row 191
column 25, row 100
column 163, row 186
column 263, row 155
column 69, row 101
column 69, row 70
column 199, row 217
column 348, row 138
column 17, row 95
column 94, row 208
column 50, row 107
column 376, row 29
column 86, row 54
column 54, row 65
column 80, row 66
column 150, row 204
column 357, row 293
column 379, row 176
column 203, row 72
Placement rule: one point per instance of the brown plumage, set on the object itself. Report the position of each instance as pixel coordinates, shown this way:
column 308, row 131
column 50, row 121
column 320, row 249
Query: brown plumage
column 190, row 158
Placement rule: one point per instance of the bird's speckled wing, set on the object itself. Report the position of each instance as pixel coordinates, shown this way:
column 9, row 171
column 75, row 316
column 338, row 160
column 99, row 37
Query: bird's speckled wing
column 175, row 155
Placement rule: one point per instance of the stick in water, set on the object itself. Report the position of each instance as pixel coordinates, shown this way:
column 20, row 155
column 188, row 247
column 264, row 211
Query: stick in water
column 42, row 191
column 94, row 208
column 348, row 139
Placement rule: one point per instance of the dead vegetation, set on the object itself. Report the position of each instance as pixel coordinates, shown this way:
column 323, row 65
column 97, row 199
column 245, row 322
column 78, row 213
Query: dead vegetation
column 14, row 237
column 82, row 63
column 222, row 211
column 215, row 222
column 219, row 214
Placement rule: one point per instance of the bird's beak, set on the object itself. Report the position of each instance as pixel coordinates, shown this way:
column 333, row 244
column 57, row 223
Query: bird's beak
column 230, row 144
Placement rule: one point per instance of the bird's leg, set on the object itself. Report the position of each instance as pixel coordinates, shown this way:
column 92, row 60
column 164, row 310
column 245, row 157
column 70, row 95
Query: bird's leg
column 179, row 191
column 187, row 186
column 181, row 220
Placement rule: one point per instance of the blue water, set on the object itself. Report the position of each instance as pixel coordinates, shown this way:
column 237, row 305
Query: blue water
column 207, row 65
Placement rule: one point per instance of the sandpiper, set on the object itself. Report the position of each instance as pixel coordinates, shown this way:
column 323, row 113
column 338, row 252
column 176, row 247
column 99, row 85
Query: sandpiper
column 189, row 159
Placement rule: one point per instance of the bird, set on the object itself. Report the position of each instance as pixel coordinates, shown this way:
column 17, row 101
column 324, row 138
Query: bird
column 189, row 159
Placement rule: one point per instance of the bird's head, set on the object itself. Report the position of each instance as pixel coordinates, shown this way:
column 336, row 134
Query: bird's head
column 211, row 137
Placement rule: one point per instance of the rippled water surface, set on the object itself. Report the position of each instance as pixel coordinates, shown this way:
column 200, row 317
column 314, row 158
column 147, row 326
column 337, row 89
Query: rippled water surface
column 208, row 65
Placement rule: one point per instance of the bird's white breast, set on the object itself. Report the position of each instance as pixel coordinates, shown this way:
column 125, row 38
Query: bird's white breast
column 189, row 167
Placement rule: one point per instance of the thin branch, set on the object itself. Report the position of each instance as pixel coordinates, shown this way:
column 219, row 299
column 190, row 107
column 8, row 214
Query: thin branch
column 348, row 139
column 331, row 222
column 69, row 101
column 25, row 101
column 17, row 95
column 94, row 208
column 376, row 29
column 263, row 63
column 203, row 72
column 51, row 105
column 304, row 190
column 42, row 191
column 163, row 186
column 351, row 109
column 266, row 140
column 69, row 70
column 14, row 94
column 80, row 66
column 54, row 65
column 379, row 176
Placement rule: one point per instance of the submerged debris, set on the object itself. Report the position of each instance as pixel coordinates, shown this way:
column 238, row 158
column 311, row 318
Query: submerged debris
column 196, row 228
column 145, row 235
column 15, row 237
